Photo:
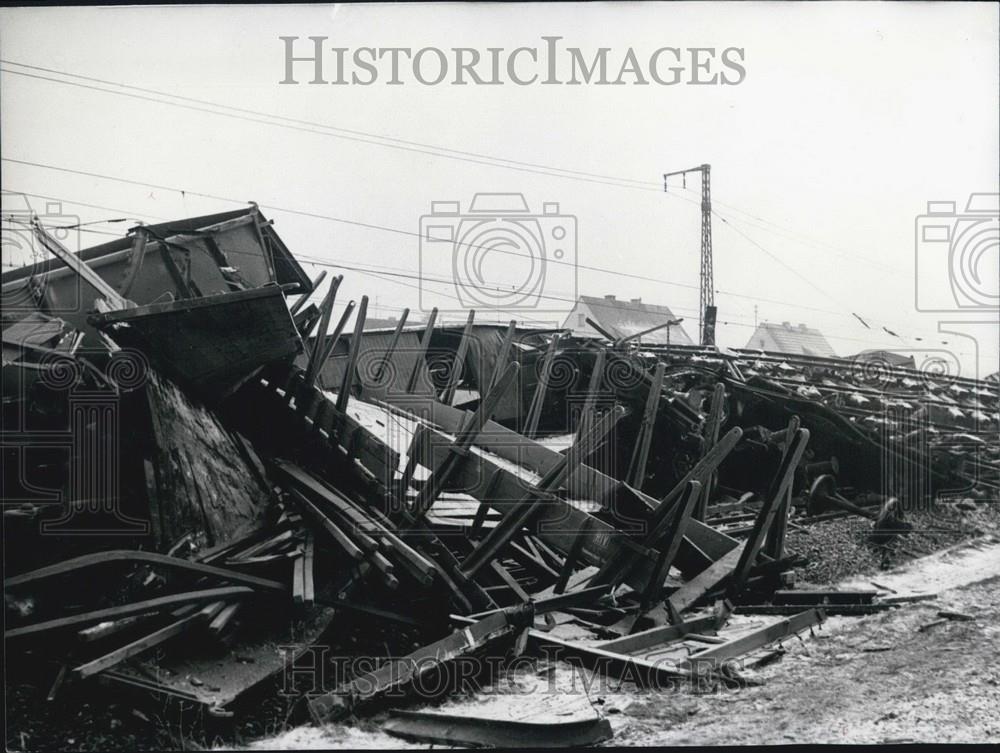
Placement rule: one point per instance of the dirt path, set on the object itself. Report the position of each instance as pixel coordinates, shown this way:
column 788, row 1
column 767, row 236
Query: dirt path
column 872, row 679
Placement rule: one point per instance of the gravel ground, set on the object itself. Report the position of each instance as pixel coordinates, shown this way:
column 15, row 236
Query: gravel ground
column 875, row 679
column 839, row 548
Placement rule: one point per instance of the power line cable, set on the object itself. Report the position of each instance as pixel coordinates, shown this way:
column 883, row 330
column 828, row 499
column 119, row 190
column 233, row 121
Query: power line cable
column 619, row 304
column 429, row 152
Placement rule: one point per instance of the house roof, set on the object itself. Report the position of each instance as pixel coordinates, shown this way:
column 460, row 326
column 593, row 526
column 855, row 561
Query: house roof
column 627, row 317
column 788, row 338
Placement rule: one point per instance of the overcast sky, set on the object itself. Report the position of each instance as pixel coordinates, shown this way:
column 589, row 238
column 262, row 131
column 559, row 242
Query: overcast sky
column 849, row 119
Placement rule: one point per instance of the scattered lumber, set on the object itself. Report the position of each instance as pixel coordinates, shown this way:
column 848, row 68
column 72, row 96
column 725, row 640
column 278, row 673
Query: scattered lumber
column 525, row 496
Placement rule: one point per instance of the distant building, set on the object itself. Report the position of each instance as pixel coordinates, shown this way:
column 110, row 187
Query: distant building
column 786, row 338
column 888, row 357
column 624, row 318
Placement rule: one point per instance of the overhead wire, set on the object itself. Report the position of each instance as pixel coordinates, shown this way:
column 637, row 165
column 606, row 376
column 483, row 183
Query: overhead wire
column 728, row 321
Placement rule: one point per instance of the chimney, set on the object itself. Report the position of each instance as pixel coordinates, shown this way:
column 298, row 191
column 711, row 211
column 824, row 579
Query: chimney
column 802, row 327
column 609, row 298
column 636, row 300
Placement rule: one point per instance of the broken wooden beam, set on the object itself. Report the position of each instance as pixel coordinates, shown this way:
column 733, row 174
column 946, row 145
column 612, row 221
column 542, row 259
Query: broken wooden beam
column 713, row 423
column 691, row 591
column 347, row 384
column 523, row 510
column 421, row 352
column 346, row 544
column 462, row 730
column 458, row 365
column 712, row 659
column 661, row 635
column 141, row 645
column 459, row 449
column 319, row 344
column 776, row 495
column 774, row 546
column 127, row 610
column 393, row 344
column 538, row 399
column 640, row 453
column 74, row 565
column 401, row 672
column 593, row 389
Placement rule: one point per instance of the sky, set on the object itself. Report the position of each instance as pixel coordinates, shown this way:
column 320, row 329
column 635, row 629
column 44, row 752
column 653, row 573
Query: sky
column 848, row 120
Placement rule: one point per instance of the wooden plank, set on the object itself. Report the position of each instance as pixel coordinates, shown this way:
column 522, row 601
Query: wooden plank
column 658, row 636
column 711, row 659
column 126, row 610
column 774, row 546
column 458, row 367
column 401, row 671
column 640, row 454
column 74, row 262
column 317, row 281
column 713, row 423
column 326, row 309
column 775, row 496
column 223, row 619
column 425, row 342
column 647, row 674
column 76, row 564
column 393, row 344
column 108, row 628
column 453, row 730
column 509, row 580
column 458, row 449
column 354, row 351
column 572, row 557
column 688, row 594
column 299, row 580
column 670, row 545
column 593, row 389
column 518, row 517
column 660, row 519
column 556, row 522
column 329, row 343
column 502, row 355
column 352, row 550
column 494, row 438
column 538, row 399
column 144, row 644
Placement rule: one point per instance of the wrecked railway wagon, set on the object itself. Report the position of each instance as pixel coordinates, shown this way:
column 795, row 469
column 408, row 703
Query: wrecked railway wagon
column 202, row 466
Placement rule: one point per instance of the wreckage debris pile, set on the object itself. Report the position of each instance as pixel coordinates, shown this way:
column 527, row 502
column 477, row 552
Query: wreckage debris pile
column 274, row 476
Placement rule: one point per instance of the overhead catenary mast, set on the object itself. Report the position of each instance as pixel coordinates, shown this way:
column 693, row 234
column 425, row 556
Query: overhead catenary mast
column 706, row 298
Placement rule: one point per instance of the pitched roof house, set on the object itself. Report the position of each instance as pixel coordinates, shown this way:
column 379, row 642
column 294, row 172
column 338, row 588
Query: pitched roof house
column 786, row 338
column 622, row 318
